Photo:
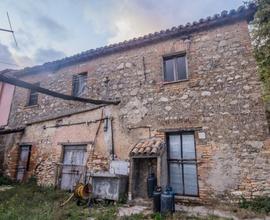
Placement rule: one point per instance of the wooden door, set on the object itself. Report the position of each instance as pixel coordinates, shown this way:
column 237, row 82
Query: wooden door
column 23, row 162
column 73, row 169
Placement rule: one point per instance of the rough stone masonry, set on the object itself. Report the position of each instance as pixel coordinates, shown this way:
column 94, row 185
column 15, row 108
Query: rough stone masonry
column 221, row 101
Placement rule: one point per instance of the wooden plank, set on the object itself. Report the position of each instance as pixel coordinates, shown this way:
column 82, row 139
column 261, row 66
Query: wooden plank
column 39, row 89
column 14, row 130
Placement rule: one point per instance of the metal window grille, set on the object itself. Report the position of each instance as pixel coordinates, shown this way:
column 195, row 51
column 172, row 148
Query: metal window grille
column 182, row 163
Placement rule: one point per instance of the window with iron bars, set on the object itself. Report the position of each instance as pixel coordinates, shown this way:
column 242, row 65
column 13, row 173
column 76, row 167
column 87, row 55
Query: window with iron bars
column 182, row 163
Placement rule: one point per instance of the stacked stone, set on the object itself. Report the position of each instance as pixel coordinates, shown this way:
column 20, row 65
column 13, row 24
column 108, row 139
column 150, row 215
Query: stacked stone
column 98, row 163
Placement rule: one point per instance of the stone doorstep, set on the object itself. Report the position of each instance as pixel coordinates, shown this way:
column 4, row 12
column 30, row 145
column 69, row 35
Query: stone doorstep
column 136, row 206
column 4, row 188
column 146, row 209
column 141, row 202
column 128, row 211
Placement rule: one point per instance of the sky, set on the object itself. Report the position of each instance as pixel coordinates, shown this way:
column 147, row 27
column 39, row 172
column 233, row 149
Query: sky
column 47, row 30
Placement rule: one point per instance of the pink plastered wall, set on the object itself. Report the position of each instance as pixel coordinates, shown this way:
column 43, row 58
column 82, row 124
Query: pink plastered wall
column 6, row 94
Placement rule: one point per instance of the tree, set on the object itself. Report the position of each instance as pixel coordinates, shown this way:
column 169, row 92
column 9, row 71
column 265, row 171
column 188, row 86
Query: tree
column 261, row 40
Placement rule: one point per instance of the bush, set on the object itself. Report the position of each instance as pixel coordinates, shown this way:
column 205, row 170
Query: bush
column 258, row 204
column 29, row 201
column 4, row 180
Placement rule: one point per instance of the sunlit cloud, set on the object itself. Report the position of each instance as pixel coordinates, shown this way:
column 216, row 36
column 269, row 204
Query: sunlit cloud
column 44, row 55
column 48, row 30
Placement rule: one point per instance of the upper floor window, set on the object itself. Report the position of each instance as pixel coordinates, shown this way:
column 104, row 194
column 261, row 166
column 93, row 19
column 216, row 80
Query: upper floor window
column 33, row 96
column 79, row 84
column 175, row 68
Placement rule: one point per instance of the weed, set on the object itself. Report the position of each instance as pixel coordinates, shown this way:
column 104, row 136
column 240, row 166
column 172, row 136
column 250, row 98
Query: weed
column 4, row 180
column 29, row 201
column 258, row 204
column 101, row 212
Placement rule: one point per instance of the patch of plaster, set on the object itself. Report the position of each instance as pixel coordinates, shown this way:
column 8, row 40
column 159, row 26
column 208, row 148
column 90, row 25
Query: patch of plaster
column 225, row 169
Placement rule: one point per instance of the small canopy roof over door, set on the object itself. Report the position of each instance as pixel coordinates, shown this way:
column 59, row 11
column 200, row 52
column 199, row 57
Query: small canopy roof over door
column 151, row 147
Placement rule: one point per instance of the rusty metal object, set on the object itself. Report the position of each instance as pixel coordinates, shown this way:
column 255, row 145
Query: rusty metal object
column 82, row 191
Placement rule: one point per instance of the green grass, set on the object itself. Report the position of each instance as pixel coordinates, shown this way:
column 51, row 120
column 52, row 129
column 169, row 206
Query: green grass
column 28, row 201
column 5, row 181
column 258, row 204
column 103, row 211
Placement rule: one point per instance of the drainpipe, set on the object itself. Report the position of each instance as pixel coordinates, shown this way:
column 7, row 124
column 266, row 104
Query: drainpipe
column 112, row 138
column 108, row 135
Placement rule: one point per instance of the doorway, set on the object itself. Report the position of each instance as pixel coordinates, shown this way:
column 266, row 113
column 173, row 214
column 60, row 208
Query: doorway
column 23, row 163
column 74, row 164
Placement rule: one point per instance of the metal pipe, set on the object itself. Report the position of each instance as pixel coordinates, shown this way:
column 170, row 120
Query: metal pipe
column 112, row 138
column 26, row 85
column 76, row 123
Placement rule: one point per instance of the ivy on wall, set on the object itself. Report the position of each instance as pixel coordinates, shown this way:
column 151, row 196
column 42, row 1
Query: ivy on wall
column 261, row 40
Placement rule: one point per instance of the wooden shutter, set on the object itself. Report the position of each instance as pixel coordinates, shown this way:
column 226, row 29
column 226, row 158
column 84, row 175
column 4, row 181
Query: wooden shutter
column 23, row 161
column 33, row 96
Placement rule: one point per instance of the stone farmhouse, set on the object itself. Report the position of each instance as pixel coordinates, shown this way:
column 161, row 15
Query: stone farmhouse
column 190, row 110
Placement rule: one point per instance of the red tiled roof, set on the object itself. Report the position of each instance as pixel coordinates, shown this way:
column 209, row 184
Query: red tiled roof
column 148, row 147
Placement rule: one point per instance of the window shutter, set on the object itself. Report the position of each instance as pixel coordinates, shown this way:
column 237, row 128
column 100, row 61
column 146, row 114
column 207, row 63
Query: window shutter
column 79, row 84
column 23, row 164
column 33, row 96
column 75, row 85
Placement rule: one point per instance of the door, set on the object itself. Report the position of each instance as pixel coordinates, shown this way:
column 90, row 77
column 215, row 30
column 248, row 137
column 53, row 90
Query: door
column 182, row 163
column 23, row 161
column 73, row 169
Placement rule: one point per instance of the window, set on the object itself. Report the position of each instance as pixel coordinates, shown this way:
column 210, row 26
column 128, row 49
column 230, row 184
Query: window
column 23, row 164
column 175, row 68
column 182, row 163
column 33, row 96
column 79, row 84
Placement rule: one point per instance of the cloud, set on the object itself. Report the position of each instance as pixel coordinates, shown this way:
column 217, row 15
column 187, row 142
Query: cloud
column 121, row 20
column 52, row 27
column 6, row 59
column 72, row 28
column 126, row 19
column 23, row 61
column 9, row 60
column 45, row 55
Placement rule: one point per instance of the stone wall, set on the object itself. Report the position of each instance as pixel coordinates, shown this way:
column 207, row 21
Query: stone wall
column 221, row 99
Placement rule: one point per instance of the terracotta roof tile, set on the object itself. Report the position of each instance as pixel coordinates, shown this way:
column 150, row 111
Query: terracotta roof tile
column 148, row 147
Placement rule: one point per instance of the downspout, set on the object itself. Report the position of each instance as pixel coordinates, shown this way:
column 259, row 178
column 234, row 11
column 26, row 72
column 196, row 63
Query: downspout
column 108, row 127
column 112, row 138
